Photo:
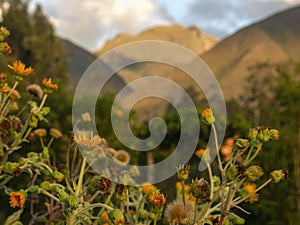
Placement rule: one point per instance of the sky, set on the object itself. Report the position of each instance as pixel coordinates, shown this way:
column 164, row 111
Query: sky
column 89, row 23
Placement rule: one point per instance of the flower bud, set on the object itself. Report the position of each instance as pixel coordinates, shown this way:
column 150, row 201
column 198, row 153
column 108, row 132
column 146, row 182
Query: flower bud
column 121, row 192
column 278, row 175
column 45, row 185
column 254, row 173
column 232, row 172
column 264, row 134
column 86, row 117
column 200, row 189
column 207, row 116
column 183, row 172
column 242, row 143
column 143, row 214
column 253, row 133
column 62, row 195
column 45, row 154
column 33, row 189
column 134, row 171
column 116, row 217
column 274, row 134
column 58, row 176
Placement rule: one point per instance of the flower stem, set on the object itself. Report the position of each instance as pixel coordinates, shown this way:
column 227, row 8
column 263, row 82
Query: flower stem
column 182, row 192
column 80, row 180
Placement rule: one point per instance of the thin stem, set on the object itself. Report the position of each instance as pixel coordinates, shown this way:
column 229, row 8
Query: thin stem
column 80, row 180
column 237, row 202
column 211, row 180
column 182, row 192
column 9, row 93
column 49, row 195
column 195, row 213
column 43, row 102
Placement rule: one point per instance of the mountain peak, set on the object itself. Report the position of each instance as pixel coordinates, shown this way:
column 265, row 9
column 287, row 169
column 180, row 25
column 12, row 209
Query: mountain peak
column 192, row 38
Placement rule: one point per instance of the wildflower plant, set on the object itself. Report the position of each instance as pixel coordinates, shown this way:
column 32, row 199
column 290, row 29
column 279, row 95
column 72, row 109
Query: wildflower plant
column 73, row 193
column 239, row 180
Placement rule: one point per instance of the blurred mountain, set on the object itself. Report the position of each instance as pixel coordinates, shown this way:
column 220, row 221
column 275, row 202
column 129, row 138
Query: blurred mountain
column 273, row 40
column 79, row 59
column 189, row 37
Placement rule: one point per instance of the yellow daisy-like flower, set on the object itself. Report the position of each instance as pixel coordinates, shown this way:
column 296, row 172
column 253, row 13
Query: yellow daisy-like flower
column 49, row 86
column 147, row 187
column 17, row 199
column 250, row 188
column 19, row 68
column 2, row 76
column 4, row 88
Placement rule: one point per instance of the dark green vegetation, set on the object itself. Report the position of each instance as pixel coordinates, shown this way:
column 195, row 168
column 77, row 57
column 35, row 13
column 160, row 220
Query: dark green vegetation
column 271, row 99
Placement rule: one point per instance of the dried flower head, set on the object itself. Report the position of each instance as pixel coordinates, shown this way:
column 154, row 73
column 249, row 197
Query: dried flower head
column 88, row 140
column 14, row 94
column 20, row 70
column 35, row 90
column 157, row 199
column 55, row 133
column 17, row 199
column 40, row 132
column 176, row 212
column 201, row 189
column 122, row 156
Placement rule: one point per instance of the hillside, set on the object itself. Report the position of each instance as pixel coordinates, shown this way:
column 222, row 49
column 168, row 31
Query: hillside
column 79, row 60
column 273, row 40
column 190, row 37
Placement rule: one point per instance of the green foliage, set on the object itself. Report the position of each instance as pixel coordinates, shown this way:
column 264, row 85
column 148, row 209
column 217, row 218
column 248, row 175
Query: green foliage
column 278, row 104
column 33, row 40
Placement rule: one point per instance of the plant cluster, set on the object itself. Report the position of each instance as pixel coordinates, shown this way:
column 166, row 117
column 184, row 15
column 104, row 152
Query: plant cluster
column 73, row 193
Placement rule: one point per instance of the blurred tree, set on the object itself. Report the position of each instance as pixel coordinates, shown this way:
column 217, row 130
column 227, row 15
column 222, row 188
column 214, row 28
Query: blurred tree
column 279, row 94
column 33, row 40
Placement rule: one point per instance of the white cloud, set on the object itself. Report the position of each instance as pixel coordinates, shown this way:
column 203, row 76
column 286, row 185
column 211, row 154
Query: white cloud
column 90, row 22
column 221, row 18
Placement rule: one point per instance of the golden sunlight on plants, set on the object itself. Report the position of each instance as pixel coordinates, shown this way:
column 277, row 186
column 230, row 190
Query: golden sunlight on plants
column 70, row 192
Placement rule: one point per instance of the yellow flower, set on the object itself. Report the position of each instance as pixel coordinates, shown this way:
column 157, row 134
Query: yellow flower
column 4, row 88
column 250, row 188
column 19, row 68
column 207, row 116
column 157, row 199
column 49, row 85
column 199, row 153
column 5, row 48
column 17, row 199
column 2, row 76
column 147, row 187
